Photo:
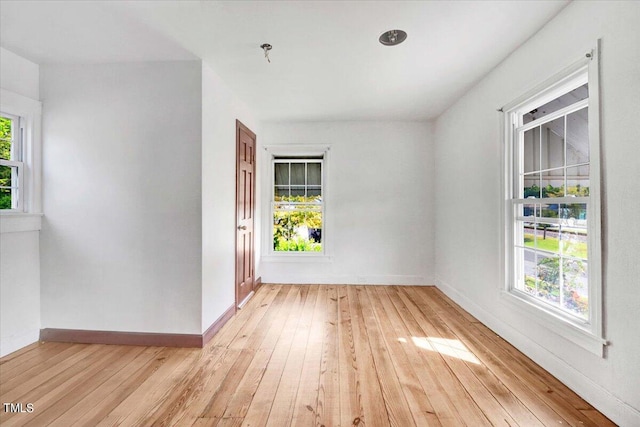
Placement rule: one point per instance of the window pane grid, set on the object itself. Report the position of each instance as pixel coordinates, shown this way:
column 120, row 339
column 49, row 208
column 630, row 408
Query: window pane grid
column 550, row 207
column 11, row 166
column 539, row 147
column 546, row 252
column 297, row 179
column 297, row 205
column 556, row 280
column 10, row 174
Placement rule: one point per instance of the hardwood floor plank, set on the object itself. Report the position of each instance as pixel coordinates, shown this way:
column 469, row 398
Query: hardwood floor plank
column 230, row 422
column 21, row 353
column 396, row 404
column 261, row 405
column 264, row 344
column 100, row 401
column 522, row 407
column 50, row 391
column 596, row 417
column 189, row 387
column 218, row 404
column 284, row 401
column 302, row 355
column 79, row 386
column 350, row 390
column 14, row 390
column 271, row 300
column 45, row 361
column 226, row 335
column 151, row 393
column 393, row 332
column 553, row 383
column 206, row 387
column 304, row 411
column 451, row 403
column 219, row 393
column 526, row 370
column 374, row 411
column 17, row 362
column 463, row 363
column 240, row 398
column 328, row 407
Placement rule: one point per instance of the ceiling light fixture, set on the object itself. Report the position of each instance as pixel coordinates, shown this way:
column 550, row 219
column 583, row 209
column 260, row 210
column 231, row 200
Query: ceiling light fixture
column 393, row 37
column 266, row 47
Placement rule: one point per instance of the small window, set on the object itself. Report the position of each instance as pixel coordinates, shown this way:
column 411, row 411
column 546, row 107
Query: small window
column 297, row 204
column 553, row 209
column 11, row 163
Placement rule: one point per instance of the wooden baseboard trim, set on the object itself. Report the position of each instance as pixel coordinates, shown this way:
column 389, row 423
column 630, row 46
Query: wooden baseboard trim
column 121, row 338
column 217, row 325
column 257, row 284
column 137, row 338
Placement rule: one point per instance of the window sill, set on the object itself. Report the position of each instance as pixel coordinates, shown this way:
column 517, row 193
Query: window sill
column 555, row 323
column 16, row 222
column 297, row 258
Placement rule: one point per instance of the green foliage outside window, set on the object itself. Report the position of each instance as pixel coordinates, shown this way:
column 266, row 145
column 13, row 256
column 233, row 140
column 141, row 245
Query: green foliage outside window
column 289, row 218
column 297, row 244
column 548, row 283
column 551, row 191
column 5, row 153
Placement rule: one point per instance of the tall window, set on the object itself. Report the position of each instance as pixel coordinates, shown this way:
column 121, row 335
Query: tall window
column 553, row 207
column 11, row 163
column 297, row 205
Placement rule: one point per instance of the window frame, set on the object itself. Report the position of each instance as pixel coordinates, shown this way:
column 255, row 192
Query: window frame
column 587, row 334
column 296, row 153
column 16, row 161
column 291, row 160
column 28, row 216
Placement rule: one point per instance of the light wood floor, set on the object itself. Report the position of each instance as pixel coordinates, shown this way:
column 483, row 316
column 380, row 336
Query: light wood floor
column 302, row 356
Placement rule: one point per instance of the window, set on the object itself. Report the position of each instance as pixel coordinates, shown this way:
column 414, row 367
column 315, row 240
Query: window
column 20, row 163
column 297, row 206
column 11, row 163
column 553, row 209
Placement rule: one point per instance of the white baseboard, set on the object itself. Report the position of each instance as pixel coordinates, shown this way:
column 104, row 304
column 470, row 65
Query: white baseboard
column 15, row 342
column 306, row 279
column 602, row 399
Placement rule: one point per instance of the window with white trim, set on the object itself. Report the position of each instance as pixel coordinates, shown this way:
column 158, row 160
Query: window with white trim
column 20, row 162
column 553, row 198
column 12, row 169
column 297, row 207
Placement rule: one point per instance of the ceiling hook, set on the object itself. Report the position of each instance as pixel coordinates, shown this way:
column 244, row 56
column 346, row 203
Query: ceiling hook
column 266, row 47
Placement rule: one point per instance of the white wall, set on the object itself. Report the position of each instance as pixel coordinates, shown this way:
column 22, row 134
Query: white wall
column 220, row 109
column 121, row 236
column 379, row 210
column 19, row 250
column 19, row 290
column 468, row 172
column 19, row 75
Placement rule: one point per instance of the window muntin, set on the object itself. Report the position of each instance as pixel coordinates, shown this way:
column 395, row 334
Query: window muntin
column 551, row 206
column 11, row 163
column 297, row 205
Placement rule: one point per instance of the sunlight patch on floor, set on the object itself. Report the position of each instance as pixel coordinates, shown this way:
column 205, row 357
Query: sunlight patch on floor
column 447, row 347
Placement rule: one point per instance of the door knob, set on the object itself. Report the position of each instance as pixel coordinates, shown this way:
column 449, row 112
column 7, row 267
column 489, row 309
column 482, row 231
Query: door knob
column 242, row 227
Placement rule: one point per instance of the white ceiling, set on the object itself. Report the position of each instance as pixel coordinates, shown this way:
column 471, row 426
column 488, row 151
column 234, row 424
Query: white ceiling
column 326, row 62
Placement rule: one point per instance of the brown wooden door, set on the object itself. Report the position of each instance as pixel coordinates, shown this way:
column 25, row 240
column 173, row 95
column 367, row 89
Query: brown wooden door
column 245, row 208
